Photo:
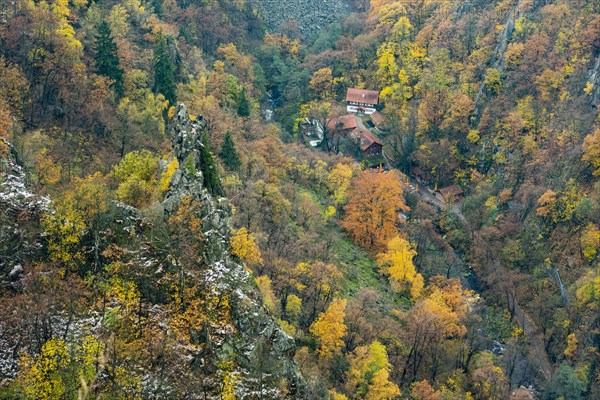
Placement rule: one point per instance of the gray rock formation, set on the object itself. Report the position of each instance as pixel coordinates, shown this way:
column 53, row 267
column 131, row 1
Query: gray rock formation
column 309, row 15
column 186, row 140
column 594, row 79
column 20, row 210
column 260, row 347
column 250, row 342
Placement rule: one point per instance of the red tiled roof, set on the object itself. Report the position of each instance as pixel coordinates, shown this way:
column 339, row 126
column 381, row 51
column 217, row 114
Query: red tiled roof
column 367, row 139
column 362, row 96
column 344, row 122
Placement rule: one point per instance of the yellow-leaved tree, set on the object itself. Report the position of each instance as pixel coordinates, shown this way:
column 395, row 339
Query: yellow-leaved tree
column 322, row 82
column 60, row 371
column 243, row 245
column 388, row 70
column 338, row 182
column 264, row 285
column 293, row 307
column 64, row 231
column 165, row 177
column 487, row 378
column 590, row 241
column 368, row 376
column 436, row 319
column 41, row 376
column 397, row 262
column 591, row 147
column 136, row 175
column 381, row 388
column 329, row 328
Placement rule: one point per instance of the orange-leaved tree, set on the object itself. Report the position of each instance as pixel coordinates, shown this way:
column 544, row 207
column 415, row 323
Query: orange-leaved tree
column 372, row 212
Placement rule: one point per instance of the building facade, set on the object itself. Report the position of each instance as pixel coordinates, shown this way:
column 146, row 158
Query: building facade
column 361, row 101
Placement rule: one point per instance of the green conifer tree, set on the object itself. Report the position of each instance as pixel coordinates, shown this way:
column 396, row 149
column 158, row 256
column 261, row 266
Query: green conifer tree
column 164, row 71
column 209, row 168
column 229, row 154
column 243, row 109
column 106, row 57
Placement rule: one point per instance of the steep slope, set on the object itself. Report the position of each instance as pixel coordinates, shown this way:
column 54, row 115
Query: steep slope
column 19, row 211
column 259, row 346
column 187, row 296
column 500, row 98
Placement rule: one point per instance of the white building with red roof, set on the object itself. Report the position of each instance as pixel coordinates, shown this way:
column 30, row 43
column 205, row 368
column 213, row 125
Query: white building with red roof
column 362, row 101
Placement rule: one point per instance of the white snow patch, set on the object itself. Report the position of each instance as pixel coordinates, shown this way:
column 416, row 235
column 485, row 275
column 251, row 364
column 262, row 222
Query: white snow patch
column 16, row 270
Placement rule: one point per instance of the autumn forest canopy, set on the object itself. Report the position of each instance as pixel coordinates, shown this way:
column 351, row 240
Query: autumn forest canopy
column 230, row 199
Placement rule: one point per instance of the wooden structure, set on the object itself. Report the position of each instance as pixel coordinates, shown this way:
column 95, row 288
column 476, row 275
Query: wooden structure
column 345, row 123
column 449, row 194
column 369, row 144
column 378, row 119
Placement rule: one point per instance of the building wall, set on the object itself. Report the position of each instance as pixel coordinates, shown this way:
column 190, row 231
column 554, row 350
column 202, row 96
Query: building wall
column 354, row 109
column 373, row 150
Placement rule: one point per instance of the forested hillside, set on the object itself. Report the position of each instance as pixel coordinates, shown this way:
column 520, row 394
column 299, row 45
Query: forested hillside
column 170, row 226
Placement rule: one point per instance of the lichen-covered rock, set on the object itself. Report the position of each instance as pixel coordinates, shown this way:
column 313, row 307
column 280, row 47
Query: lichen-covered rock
column 186, row 140
column 19, row 219
column 228, row 335
column 260, row 348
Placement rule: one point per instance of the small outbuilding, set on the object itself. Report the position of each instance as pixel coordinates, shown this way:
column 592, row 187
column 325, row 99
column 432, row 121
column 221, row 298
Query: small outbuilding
column 378, row 120
column 449, row 194
column 369, row 144
column 344, row 123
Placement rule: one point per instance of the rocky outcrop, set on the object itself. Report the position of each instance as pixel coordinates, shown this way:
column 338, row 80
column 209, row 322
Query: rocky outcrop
column 309, row 15
column 244, row 341
column 498, row 59
column 20, row 211
column 259, row 347
column 594, row 79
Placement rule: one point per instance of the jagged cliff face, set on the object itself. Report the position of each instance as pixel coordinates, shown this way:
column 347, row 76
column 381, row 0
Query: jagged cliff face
column 309, row 15
column 217, row 335
column 260, row 348
column 594, row 79
column 19, row 212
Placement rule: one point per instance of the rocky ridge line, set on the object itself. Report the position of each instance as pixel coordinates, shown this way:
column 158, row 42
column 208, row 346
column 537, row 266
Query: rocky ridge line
column 259, row 341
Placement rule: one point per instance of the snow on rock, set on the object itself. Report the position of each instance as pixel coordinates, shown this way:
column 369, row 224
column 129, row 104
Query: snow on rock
column 20, row 211
column 8, row 363
column 256, row 339
column 14, row 194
